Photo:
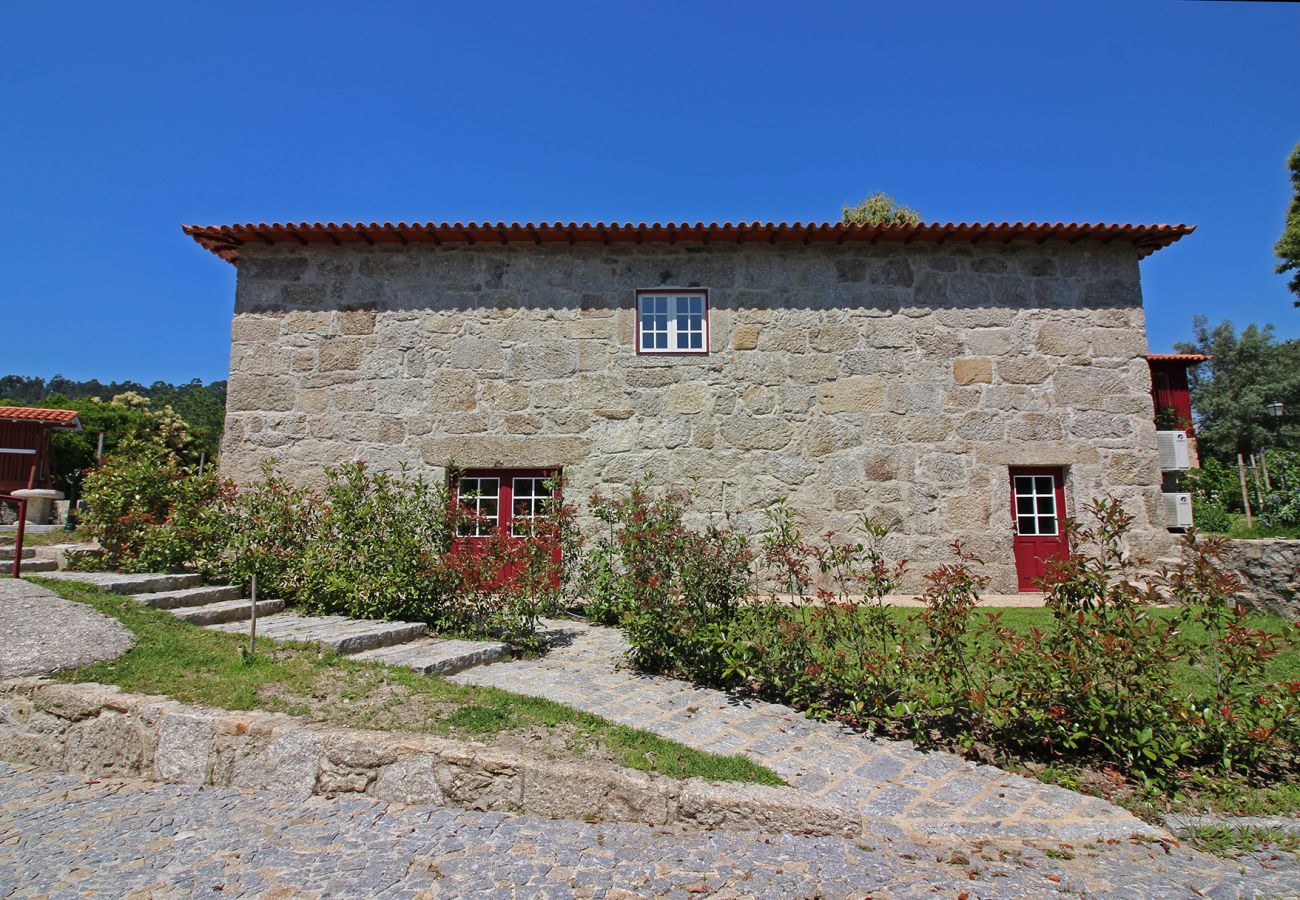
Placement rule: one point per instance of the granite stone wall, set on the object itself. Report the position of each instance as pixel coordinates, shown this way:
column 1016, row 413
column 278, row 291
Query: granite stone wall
column 1270, row 573
column 900, row 381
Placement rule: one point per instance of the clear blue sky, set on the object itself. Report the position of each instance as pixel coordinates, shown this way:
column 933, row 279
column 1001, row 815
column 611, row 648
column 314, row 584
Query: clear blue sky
column 120, row 121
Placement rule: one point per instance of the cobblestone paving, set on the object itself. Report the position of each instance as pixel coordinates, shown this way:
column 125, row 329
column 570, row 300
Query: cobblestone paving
column 63, row 836
column 895, row 786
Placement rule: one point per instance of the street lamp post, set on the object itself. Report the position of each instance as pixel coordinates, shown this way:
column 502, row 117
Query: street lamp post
column 1275, row 410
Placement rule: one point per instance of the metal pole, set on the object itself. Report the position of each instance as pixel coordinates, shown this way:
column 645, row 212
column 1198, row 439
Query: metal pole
column 18, row 537
column 1259, row 488
column 1245, row 494
column 252, row 620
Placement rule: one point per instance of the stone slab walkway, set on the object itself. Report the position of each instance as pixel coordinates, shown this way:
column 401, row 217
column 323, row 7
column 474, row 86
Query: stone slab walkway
column 61, row 835
column 895, row 787
column 40, row 632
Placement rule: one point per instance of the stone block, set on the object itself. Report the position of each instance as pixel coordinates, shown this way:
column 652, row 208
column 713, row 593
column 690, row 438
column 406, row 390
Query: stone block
column 356, row 321
column 689, row 398
column 107, row 744
column 756, row 432
column 1024, row 370
column 854, row 393
column 260, row 393
column 972, row 370
column 410, row 779
column 185, row 744
column 576, row 792
column 831, row 338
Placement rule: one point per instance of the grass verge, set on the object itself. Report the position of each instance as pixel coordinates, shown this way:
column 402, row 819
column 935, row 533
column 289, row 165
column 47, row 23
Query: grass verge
column 195, row 665
column 1229, row 842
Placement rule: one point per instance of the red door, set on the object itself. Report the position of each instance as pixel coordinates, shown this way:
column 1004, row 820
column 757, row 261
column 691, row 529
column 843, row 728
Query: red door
column 1037, row 505
column 503, row 504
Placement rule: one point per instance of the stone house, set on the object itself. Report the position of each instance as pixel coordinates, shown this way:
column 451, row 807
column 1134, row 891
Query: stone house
column 962, row 381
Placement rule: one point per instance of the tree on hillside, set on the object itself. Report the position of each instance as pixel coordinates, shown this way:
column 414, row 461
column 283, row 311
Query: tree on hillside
column 880, row 209
column 1231, row 392
column 1288, row 246
column 202, row 406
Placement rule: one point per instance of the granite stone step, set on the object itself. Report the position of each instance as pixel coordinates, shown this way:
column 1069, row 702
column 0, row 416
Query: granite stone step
column 7, row 553
column 337, row 633
column 29, row 565
column 195, row 596
column 438, row 656
column 224, row 611
column 120, row 583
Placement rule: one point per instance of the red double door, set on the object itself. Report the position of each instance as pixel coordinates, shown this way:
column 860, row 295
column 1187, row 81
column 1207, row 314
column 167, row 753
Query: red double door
column 1037, row 509
column 504, row 504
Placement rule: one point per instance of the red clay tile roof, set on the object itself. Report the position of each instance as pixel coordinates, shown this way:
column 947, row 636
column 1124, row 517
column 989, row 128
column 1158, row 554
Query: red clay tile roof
column 1177, row 357
column 225, row 240
column 63, row 418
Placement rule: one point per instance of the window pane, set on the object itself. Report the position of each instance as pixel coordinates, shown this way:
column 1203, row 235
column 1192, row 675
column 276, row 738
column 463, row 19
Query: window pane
column 1024, row 485
column 1044, row 484
column 1025, row 506
column 696, row 343
column 1027, row 525
column 487, row 506
column 1047, row 505
column 683, row 340
column 661, row 341
column 1046, row 525
column 697, row 305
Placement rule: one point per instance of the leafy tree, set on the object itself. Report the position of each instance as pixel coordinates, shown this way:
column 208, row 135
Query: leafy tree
column 1231, row 392
column 880, row 209
column 1288, row 246
column 202, row 407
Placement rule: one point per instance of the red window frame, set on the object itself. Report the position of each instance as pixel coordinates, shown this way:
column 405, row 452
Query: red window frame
column 673, row 292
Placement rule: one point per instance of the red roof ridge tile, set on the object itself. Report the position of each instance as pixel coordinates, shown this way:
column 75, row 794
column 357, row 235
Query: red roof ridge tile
column 225, row 240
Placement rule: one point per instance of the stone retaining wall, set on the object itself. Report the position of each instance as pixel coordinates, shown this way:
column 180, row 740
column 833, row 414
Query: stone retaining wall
column 1271, row 570
column 97, row 730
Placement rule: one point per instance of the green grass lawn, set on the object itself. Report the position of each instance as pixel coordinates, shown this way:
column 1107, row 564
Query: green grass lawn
column 1239, row 530
column 58, row 536
column 1193, row 675
column 195, row 665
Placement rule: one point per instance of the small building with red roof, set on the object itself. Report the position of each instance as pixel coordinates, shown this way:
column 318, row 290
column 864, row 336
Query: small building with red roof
column 25, row 445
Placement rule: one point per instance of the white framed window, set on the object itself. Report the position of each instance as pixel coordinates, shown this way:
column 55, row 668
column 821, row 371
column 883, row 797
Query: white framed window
column 481, row 497
column 531, row 498
column 672, row 321
column 1036, row 512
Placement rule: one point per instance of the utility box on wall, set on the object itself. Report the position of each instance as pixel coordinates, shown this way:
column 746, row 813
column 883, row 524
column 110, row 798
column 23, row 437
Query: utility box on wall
column 1178, row 510
column 1172, row 446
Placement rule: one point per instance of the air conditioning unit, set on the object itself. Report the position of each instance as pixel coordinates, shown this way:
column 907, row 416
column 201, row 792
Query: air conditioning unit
column 1178, row 510
column 1173, row 451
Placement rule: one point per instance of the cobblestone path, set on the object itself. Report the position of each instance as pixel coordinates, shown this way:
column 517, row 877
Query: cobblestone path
column 897, row 788
column 63, row 836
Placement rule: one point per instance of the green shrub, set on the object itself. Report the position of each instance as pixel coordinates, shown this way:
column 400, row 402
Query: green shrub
column 1281, row 505
column 148, row 511
column 367, row 545
column 667, row 584
column 1097, row 687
